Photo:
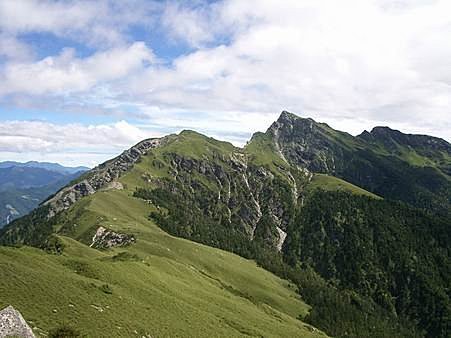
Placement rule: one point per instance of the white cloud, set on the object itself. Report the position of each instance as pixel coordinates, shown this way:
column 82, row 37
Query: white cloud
column 187, row 24
column 69, row 143
column 97, row 23
column 12, row 48
column 67, row 73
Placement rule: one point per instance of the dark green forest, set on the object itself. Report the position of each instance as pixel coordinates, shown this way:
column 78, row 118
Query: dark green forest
column 368, row 267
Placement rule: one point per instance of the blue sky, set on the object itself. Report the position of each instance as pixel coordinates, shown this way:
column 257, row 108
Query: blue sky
column 82, row 80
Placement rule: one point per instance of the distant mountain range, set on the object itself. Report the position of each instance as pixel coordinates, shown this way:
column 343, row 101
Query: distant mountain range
column 359, row 226
column 24, row 185
column 54, row 167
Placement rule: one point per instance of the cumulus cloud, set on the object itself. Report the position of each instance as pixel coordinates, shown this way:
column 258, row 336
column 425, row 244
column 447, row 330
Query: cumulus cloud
column 98, row 23
column 12, row 48
column 66, row 73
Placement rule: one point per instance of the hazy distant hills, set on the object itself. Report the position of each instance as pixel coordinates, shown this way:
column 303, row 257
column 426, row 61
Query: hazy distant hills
column 24, row 185
column 53, row 167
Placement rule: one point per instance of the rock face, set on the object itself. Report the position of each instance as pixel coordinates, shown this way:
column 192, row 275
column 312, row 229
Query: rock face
column 12, row 324
column 104, row 239
column 308, row 144
column 411, row 168
column 101, row 177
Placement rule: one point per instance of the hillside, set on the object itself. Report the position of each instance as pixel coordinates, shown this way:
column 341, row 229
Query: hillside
column 360, row 230
column 161, row 286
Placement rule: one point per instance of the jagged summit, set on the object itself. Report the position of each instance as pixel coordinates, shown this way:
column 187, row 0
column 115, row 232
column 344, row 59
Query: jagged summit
column 286, row 115
column 289, row 119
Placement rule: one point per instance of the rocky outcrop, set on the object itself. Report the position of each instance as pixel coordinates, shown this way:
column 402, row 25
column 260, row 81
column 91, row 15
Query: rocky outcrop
column 308, row 144
column 12, row 324
column 105, row 239
column 282, row 237
column 102, row 177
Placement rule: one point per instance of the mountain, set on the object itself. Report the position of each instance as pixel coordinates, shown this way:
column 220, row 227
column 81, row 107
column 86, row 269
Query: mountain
column 358, row 225
column 24, row 185
column 53, row 167
column 411, row 168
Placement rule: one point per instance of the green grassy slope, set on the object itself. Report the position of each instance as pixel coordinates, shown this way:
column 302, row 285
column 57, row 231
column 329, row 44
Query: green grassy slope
column 331, row 183
column 162, row 286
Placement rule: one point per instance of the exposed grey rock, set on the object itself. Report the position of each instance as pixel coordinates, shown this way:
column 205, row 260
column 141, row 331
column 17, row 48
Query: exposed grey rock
column 12, row 324
column 104, row 239
column 304, row 142
column 282, row 237
column 102, row 177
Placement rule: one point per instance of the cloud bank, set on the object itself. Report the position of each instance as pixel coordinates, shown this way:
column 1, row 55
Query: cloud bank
column 354, row 65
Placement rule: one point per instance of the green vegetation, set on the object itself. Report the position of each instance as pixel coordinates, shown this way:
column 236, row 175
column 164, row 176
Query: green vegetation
column 330, row 183
column 176, row 288
column 337, row 309
column 262, row 152
column 194, row 145
column 417, row 150
column 387, row 253
column 64, row 332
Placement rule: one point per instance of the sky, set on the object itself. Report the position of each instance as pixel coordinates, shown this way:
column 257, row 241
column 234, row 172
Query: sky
column 80, row 81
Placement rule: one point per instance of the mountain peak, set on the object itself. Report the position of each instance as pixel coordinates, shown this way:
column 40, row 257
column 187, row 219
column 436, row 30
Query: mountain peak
column 287, row 121
column 286, row 116
column 384, row 130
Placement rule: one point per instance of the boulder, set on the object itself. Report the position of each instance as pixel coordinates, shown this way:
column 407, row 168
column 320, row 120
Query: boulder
column 12, row 324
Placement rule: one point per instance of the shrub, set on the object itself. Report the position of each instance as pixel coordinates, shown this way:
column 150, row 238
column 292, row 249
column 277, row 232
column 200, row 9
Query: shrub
column 64, row 331
column 106, row 289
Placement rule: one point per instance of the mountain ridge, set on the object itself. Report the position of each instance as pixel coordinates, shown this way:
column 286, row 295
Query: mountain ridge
column 299, row 183
column 51, row 166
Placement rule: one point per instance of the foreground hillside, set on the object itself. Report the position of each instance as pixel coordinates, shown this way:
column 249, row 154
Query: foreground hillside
column 358, row 225
column 159, row 287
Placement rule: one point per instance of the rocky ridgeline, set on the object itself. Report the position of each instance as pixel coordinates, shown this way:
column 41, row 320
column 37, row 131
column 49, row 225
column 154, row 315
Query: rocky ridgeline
column 104, row 239
column 102, row 177
column 12, row 324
